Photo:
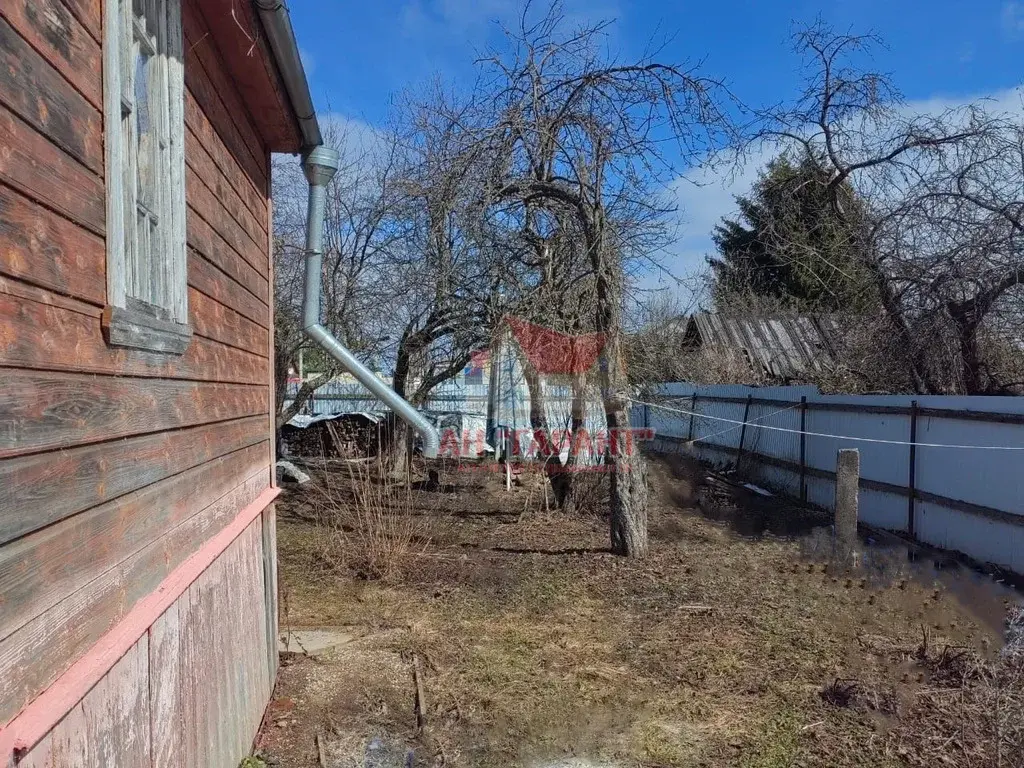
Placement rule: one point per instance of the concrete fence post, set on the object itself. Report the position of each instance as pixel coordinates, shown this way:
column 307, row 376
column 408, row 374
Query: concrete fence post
column 847, row 486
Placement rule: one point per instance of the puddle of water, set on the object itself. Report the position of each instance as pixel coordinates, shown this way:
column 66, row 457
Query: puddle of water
column 883, row 559
column 886, row 560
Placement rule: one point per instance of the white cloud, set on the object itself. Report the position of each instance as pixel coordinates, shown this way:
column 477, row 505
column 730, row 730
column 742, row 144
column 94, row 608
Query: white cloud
column 1012, row 19
column 358, row 142
column 466, row 14
column 351, row 136
column 452, row 17
column 308, row 62
column 705, row 195
column 1007, row 101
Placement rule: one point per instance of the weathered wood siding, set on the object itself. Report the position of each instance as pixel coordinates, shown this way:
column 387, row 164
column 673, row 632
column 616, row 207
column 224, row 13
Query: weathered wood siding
column 191, row 691
column 108, row 727
column 212, row 651
column 116, row 465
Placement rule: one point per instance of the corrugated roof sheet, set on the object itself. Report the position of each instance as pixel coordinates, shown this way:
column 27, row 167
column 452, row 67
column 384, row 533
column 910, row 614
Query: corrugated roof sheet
column 785, row 346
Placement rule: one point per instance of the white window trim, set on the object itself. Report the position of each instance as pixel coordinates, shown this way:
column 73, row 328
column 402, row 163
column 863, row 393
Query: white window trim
column 129, row 322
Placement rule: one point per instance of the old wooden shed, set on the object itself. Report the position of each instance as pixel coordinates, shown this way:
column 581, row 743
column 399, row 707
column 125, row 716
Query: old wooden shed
column 137, row 547
column 781, row 347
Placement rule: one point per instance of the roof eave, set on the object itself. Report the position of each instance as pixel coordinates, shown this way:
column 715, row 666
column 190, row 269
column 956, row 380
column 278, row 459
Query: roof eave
column 277, row 24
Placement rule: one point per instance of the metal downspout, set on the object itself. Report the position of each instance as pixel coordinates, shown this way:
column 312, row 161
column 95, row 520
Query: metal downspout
column 320, row 165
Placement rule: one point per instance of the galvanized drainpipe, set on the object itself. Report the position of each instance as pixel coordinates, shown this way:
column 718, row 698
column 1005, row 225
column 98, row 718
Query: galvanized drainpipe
column 320, row 166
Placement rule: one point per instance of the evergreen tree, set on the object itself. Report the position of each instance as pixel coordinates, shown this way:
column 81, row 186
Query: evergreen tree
column 789, row 245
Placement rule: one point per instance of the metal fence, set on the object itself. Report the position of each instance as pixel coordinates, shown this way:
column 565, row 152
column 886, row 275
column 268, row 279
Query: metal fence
column 513, row 403
column 467, row 396
column 947, row 471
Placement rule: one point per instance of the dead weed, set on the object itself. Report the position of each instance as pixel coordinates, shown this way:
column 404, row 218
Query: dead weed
column 539, row 646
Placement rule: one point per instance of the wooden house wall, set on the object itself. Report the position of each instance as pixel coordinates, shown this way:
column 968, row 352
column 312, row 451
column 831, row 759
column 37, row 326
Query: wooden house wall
column 116, row 465
column 190, row 691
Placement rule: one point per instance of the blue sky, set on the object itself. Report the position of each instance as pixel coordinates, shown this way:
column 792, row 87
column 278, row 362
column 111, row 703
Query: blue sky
column 359, row 54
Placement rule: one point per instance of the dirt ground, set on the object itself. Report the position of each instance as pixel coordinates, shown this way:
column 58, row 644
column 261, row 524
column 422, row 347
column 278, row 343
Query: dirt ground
column 737, row 642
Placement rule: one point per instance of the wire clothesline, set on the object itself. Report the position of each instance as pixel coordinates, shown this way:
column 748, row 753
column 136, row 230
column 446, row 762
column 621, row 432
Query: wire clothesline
column 754, row 424
column 739, row 425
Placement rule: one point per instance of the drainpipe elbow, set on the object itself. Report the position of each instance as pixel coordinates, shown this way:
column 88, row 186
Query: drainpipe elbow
column 320, row 165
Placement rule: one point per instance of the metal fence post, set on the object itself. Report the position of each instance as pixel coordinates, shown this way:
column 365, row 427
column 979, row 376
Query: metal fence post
column 693, row 411
column 743, row 432
column 803, row 449
column 912, row 479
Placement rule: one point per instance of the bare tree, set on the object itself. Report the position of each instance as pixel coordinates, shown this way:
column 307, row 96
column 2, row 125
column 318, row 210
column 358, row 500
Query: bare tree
column 655, row 343
column 558, row 292
column 443, row 281
column 580, row 134
column 966, row 269
column 939, row 228
column 406, row 278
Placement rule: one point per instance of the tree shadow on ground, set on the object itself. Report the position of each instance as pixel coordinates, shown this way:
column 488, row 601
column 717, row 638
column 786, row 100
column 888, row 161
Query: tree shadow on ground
column 569, row 551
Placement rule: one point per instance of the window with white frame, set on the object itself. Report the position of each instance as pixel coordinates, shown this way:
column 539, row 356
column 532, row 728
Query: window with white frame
column 144, row 90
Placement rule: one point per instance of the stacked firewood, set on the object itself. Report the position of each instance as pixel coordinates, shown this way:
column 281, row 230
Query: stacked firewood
column 346, row 437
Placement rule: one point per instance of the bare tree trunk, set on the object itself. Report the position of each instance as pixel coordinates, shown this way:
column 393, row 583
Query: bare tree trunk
column 538, row 406
column 397, row 457
column 924, row 383
column 571, row 502
column 494, row 393
column 281, row 362
column 561, row 481
column 627, row 467
column 306, row 391
column 397, row 450
column 966, row 329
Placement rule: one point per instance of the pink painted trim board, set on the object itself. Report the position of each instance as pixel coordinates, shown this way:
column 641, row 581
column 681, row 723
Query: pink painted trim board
column 40, row 717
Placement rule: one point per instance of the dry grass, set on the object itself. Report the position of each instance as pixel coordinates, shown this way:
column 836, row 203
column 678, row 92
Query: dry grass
column 971, row 713
column 365, row 521
column 538, row 645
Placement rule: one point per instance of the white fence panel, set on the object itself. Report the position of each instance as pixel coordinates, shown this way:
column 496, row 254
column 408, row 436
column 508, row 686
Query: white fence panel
column 996, row 478
column 887, row 463
column 969, row 499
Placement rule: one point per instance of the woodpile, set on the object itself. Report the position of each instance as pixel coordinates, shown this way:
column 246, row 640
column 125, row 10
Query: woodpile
column 347, row 436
